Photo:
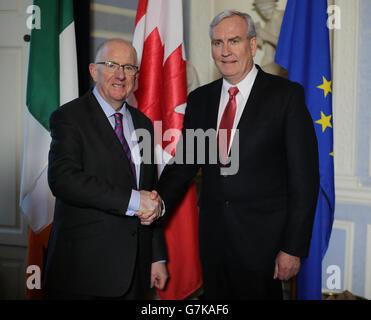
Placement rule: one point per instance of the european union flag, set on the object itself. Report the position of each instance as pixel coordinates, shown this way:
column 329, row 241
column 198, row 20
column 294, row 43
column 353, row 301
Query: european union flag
column 304, row 50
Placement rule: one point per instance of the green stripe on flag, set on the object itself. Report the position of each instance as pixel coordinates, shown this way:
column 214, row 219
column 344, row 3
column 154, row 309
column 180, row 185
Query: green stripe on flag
column 43, row 70
column 66, row 13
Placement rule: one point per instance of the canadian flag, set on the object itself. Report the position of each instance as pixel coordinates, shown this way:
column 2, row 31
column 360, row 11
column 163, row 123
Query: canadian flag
column 161, row 95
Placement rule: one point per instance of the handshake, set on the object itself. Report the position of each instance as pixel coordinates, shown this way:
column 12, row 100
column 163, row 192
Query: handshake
column 150, row 207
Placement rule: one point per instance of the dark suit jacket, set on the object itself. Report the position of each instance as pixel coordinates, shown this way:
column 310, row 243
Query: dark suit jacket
column 269, row 205
column 93, row 247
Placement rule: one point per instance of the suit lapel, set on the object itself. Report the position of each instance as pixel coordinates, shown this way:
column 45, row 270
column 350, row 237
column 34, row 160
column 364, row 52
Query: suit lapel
column 137, row 125
column 255, row 94
column 214, row 99
column 257, row 91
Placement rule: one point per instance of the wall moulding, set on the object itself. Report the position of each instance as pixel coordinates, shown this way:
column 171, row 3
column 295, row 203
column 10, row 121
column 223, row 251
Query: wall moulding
column 350, row 190
column 345, row 87
column 348, row 227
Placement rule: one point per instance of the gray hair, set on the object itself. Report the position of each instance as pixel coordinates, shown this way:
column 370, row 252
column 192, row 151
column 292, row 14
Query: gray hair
column 251, row 33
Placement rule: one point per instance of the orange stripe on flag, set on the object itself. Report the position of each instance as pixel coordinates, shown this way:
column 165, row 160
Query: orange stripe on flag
column 37, row 246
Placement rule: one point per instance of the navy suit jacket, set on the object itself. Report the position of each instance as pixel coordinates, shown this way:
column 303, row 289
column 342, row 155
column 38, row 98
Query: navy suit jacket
column 94, row 248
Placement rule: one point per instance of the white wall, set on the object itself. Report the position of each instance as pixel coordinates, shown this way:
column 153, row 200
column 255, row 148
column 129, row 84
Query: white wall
column 350, row 245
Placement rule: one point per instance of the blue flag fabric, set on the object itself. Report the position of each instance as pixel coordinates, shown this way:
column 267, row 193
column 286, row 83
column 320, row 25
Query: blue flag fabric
column 304, row 51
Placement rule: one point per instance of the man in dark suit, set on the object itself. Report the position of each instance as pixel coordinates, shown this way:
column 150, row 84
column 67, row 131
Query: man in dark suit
column 98, row 247
column 255, row 222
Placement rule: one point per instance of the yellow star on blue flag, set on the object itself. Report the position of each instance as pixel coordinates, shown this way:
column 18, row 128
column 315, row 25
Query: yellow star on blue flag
column 325, row 86
column 325, row 121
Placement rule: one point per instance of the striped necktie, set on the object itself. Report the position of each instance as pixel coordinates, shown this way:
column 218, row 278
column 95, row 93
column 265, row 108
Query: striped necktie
column 120, row 134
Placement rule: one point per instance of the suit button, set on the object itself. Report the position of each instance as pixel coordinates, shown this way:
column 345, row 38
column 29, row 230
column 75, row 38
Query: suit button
column 226, row 203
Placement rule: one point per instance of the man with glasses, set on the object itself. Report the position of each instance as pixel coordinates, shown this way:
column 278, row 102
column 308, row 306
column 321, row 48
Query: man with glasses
column 98, row 246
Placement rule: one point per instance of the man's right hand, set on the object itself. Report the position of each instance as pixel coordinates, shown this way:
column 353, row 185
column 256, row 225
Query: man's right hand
column 150, row 207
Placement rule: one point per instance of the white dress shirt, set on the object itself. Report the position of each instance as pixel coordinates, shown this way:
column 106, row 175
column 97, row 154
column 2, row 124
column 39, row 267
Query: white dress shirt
column 131, row 138
column 244, row 89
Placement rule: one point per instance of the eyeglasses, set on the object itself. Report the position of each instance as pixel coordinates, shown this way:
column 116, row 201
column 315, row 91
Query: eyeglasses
column 111, row 66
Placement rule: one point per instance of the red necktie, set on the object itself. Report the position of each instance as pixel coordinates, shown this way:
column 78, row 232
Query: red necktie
column 120, row 134
column 226, row 124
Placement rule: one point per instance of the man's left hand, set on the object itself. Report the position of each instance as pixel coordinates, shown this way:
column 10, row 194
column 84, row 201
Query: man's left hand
column 159, row 275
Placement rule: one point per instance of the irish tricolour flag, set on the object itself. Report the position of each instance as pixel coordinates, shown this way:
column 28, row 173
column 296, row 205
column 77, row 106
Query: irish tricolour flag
column 52, row 81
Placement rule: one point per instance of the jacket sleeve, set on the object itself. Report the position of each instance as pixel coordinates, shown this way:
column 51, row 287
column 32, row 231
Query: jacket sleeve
column 178, row 175
column 159, row 251
column 303, row 174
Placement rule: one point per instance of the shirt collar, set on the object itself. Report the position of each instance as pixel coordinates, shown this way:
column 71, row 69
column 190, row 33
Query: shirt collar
column 244, row 86
column 108, row 110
